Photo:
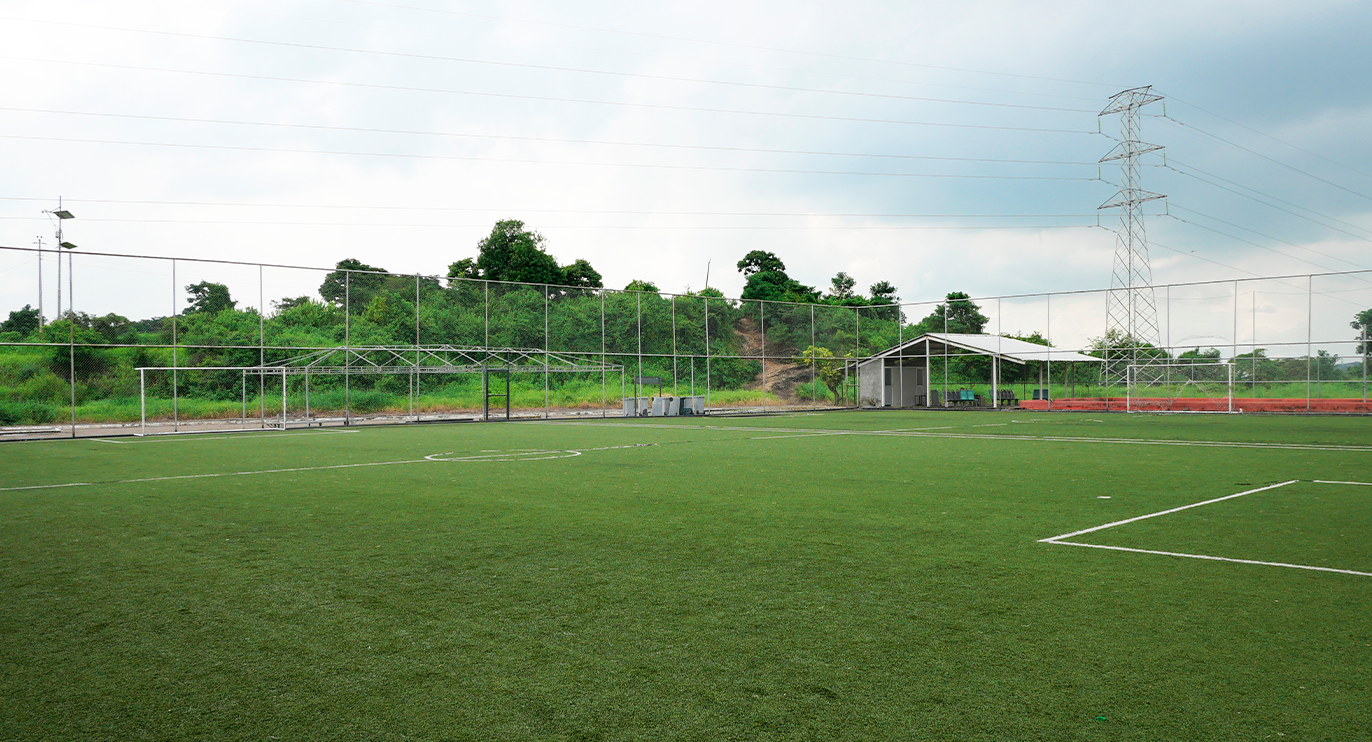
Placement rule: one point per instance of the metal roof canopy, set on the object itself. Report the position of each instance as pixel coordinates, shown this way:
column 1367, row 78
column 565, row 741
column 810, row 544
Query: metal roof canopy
column 1009, row 349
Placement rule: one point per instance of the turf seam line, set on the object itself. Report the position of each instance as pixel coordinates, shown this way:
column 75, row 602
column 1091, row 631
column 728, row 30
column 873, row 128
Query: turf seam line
column 917, row 433
column 1328, row 481
column 208, row 476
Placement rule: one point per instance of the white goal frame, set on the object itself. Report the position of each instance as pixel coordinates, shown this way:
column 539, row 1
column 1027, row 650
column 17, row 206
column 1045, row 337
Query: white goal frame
column 1163, row 375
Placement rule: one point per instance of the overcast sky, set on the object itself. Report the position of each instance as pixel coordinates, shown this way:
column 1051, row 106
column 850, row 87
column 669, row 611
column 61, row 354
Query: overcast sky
column 938, row 146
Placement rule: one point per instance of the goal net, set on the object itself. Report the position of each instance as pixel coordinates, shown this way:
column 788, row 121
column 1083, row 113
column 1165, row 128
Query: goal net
column 1181, row 387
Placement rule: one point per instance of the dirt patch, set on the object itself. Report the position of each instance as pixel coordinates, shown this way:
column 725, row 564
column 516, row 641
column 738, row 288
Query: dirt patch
column 781, row 376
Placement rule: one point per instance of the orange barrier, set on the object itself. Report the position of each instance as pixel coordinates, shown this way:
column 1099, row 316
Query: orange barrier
column 1197, row 404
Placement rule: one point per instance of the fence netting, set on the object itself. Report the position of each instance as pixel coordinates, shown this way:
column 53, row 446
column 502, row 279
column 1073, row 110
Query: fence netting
column 153, row 344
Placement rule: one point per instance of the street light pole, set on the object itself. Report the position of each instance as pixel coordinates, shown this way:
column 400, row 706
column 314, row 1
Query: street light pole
column 62, row 215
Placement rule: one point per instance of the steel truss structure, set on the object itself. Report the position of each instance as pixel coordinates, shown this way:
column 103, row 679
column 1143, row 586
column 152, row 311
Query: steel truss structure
column 394, row 360
column 1131, row 307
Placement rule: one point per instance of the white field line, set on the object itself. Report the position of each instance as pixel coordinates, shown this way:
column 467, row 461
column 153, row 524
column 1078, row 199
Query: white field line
column 1326, row 481
column 920, row 433
column 1056, row 539
column 792, row 435
column 100, row 440
column 1217, row 559
column 485, row 456
column 210, row 476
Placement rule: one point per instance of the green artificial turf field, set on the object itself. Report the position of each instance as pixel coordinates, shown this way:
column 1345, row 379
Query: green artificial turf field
column 877, row 575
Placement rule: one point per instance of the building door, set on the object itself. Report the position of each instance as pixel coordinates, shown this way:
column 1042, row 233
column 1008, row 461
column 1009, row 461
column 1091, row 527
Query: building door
column 886, row 389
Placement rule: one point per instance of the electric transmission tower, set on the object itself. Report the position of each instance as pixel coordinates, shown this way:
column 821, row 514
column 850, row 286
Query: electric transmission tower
column 1131, row 329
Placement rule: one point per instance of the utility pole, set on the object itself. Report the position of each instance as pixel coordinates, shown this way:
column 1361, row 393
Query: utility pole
column 1131, row 309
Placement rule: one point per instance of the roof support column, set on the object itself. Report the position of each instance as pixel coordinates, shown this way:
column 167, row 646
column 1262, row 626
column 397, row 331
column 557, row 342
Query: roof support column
column 995, row 379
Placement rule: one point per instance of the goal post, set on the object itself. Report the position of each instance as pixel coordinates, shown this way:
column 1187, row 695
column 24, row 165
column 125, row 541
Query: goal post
column 1180, row 386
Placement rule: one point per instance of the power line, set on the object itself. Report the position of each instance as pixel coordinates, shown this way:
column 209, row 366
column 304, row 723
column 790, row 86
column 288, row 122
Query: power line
column 1279, row 279
column 351, row 207
column 414, row 132
column 1267, row 195
column 462, row 158
column 729, row 44
column 516, row 96
column 697, row 227
column 1292, row 168
column 526, row 65
column 1268, row 236
column 1254, row 244
column 693, row 60
column 1269, row 136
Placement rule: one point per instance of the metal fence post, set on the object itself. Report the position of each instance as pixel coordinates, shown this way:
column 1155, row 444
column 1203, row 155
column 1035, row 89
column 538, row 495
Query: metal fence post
column 261, row 345
column 176, row 414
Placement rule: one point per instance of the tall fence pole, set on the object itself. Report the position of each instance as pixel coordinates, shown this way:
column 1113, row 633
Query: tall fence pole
column 415, row 372
column 604, row 401
column 1049, row 332
column 347, row 347
column 71, row 333
column 762, row 322
column 262, row 346
column 176, row 414
column 143, row 401
column 675, row 392
column 547, row 350
column 707, row 351
column 1309, row 333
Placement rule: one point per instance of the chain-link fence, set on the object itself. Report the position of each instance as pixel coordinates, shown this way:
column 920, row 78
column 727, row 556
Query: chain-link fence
column 154, row 344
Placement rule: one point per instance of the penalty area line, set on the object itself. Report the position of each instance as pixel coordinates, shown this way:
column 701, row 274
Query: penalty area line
column 1215, row 558
column 1058, row 539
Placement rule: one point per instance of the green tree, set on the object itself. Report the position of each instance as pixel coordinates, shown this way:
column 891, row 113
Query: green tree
column 828, row 369
column 512, row 253
column 354, row 281
column 290, row 303
column 22, row 321
column 767, row 280
column 841, row 286
column 1362, row 322
column 644, row 286
column 1196, row 355
column 759, row 261
column 580, row 274
column 958, row 314
column 209, row 297
column 463, row 269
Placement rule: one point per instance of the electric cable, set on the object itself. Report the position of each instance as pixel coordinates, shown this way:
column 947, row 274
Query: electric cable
column 356, row 207
column 541, row 67
column 548, row 99
column 1268, row 195
column 599, row 50
column 1254, row 244
column 414, row 132
column 1275, row 161
column 393, row 225
column 1268, row 236
column 1269, row 136
column 462, row 158
column 729, row 44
